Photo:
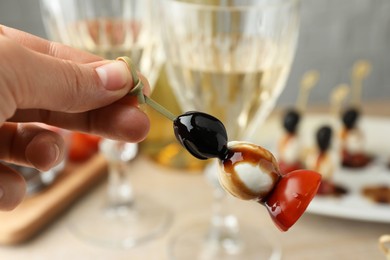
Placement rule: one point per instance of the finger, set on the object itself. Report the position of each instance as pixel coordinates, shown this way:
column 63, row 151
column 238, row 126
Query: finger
column 30, row 145
column 146, row 90
column 12, row 188
column 121, row 120
column 58, row 85
column 43, row 46
column 55, row 49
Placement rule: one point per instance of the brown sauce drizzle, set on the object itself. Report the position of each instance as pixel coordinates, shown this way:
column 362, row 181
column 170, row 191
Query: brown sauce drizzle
column 254, row 155
column 378, row 194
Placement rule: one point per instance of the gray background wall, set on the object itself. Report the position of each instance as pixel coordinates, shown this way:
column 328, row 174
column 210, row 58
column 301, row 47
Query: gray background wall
column 334, row 33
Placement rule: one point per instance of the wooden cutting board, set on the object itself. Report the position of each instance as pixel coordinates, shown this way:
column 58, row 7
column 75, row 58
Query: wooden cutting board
column 37, row 211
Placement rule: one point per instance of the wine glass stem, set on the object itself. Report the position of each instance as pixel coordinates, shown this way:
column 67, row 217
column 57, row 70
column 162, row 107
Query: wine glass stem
column 120, row 192
column 224, row 230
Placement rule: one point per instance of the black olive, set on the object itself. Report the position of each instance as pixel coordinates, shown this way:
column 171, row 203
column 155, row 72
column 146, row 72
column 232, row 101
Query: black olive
column 203, row 135
column 291, row 120
column 350, row 117
column 324, row 136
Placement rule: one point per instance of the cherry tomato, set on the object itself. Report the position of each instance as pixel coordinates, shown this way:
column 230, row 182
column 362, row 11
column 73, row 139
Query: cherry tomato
column 357, row 160
column 82, row 146
column 326, row 188
column 291, row 196
column 286, row 168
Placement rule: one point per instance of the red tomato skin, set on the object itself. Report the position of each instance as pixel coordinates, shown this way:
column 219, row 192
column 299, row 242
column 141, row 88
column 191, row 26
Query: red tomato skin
column 291, row 196
column 286, row 168
column 358, row 160
column 82, row 146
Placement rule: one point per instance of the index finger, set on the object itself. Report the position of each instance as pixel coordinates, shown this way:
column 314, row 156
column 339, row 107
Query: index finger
column 54, row 49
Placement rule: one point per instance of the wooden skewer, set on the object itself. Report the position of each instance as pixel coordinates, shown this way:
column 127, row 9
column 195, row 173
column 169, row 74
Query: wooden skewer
column 383, row 240
column 337, row 96
column 309, row 80
column 361, row 69
column 137, row 91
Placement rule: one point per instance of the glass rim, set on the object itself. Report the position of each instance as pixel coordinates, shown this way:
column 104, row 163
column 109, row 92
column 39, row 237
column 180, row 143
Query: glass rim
column 243, row 7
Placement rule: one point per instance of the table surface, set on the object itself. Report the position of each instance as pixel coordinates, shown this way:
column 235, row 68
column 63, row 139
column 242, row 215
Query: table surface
column 189, row 197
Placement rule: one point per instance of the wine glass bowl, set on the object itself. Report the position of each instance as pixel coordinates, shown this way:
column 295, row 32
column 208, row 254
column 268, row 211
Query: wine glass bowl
column 109, row 29
column 229, row 59
column 113, row 29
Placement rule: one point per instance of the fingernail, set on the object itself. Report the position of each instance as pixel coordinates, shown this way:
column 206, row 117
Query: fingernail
column 1, row 192
column 55, row 151
column 45, row 150
column 113, row 75
column 50, row 160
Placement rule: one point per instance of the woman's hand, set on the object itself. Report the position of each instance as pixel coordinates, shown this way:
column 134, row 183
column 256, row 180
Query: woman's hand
column 42, row 81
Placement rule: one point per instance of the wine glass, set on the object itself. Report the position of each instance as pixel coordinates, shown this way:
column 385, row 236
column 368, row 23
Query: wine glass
column 229, row 59
column 113, row 28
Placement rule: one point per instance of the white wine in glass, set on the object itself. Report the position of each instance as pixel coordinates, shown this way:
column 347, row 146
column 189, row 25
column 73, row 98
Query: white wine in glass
column 230, row 59
column 111, row 29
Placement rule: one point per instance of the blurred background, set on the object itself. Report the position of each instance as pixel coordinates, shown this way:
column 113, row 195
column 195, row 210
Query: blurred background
column 334, row 34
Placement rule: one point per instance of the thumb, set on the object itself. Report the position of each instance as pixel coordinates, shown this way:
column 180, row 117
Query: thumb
column 37, row 80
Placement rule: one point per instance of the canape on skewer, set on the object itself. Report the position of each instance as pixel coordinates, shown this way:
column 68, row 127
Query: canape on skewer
column 289, row 147
column 351, row 136
column 325, row 156
column 325, row 159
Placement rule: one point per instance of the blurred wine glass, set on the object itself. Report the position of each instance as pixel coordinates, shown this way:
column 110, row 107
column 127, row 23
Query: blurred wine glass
column 231, row 59
column 113, row 28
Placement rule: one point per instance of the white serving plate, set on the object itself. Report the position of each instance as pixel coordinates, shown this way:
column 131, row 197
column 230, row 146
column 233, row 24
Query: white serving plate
column 353, row 205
